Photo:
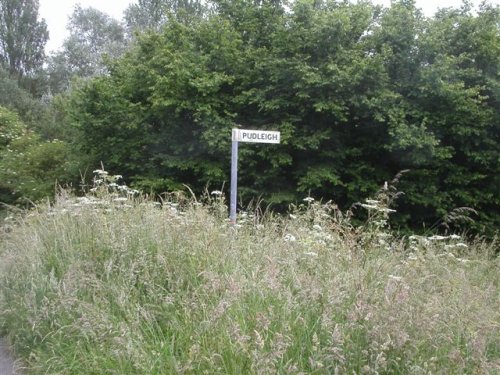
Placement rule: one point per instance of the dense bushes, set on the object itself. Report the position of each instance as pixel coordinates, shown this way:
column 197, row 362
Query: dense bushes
column 31, row 168
column 359, row 94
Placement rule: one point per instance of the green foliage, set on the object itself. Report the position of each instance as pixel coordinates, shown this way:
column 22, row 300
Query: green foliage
column 358, row 92
column 457, row 99
column 11, row 128
column 31, row 168
column 32, row 111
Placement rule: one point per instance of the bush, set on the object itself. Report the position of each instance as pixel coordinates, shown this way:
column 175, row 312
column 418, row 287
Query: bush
column 31, row 168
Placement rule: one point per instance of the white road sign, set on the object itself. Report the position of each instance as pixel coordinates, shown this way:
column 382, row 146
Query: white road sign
column 242, row 135
column 256, row 136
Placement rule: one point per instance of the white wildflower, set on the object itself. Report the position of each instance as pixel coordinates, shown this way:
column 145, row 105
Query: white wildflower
column 437, row 238
column 454, row 246
column 289, row 238
column 455, row 237
column 308, row 199
column 311, row 254
column 216, row 192
column 293, row 216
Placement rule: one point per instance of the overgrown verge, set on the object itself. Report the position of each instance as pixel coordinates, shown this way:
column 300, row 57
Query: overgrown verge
column 110, row 284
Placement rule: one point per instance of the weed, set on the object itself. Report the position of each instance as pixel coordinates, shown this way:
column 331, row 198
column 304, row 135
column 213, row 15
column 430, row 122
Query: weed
column 101, row 285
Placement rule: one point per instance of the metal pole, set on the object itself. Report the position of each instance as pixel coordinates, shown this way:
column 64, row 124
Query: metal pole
column 234, row 181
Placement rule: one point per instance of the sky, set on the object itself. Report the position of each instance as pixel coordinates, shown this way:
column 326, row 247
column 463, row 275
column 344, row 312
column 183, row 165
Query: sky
column 56, row 12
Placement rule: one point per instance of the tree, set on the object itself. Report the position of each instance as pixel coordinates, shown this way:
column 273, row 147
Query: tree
column 169, row 105
column 358, row 93
column 31, row 110
column 152, row 15
column 146, row 15
column 95, row 38
column 458, row 93
column 22, row 37
column 155, row 98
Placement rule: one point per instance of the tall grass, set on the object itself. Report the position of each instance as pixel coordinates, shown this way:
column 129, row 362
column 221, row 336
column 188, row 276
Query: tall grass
column 110, row 287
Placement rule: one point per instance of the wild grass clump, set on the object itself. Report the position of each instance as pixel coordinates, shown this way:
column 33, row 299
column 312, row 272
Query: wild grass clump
column 127, row 286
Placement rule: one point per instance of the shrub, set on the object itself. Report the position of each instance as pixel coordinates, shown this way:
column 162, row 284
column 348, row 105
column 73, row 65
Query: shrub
column 31, row 168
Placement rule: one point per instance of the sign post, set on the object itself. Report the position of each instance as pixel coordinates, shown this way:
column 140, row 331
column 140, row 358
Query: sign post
column 252, row 136
column 234, row 180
